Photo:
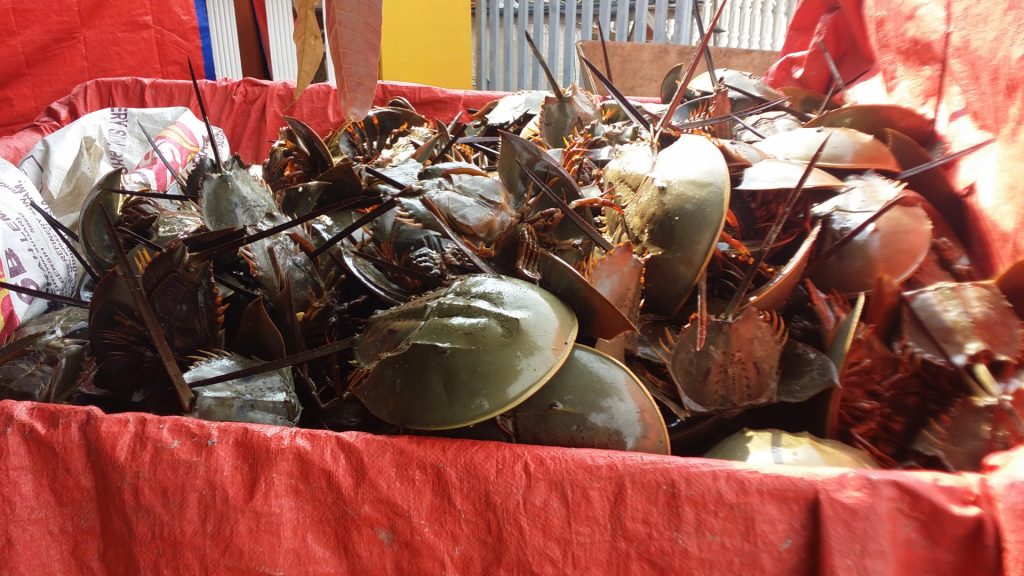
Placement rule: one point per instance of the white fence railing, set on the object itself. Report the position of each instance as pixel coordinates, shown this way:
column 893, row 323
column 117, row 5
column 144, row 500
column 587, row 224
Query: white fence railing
column 283, row 59
column 502, row 60
column 227, row 60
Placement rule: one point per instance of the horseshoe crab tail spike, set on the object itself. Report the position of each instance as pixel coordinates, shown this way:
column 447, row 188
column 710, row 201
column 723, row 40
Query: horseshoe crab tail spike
column 544, row 65
column 677, row 98
column 160, row 155
column 707, row 49
column 206, row 118
column 70, row 301
column 773, row 233
column 604, row 50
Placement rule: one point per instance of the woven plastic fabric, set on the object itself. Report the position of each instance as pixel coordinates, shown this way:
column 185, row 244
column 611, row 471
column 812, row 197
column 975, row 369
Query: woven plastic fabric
column 89, row 493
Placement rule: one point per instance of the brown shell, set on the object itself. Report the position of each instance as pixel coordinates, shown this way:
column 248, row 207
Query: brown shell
column 847, row 149
column 876, row 119
column 737, row 367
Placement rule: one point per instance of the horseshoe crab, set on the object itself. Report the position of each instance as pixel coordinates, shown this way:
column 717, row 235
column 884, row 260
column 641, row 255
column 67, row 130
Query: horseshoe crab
column 736, row 367
column 463, row 354
column 876, row 119
column 847, row 149
column 677, row 211
column 592, row 402
column 895, row 244
column 760, row 447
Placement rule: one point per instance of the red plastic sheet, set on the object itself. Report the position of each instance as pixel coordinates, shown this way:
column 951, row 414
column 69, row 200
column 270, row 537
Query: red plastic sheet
column 1003, row 489
column 250, row 111
column 89, row 493
column 47, row 47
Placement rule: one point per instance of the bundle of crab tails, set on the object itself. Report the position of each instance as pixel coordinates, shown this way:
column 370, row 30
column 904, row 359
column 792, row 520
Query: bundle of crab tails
column 739, row 272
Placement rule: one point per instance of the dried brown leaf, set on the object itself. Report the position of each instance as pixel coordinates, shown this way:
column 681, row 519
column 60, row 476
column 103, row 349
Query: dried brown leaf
column 309, row 43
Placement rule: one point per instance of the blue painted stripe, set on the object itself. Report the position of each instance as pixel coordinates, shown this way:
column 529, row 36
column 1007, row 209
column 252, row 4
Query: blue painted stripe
column 204, row 37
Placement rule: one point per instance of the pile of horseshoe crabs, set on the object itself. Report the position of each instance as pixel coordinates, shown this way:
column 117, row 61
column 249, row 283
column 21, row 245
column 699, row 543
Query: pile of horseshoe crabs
column 739, row 272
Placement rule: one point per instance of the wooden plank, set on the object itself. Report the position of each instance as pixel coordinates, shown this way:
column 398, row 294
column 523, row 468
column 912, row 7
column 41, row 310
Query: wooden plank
column 640, row 11
column 783, row 12
column 647, row 64
column 280, row 24
column 683, row 22
column 224, row 37
column 492, row 47
column 746, row 10
column 621, row 20
column 480, row 46
column 587, row 20
column 554, row 23
column 605, row 18
column 508, row 15
column 660, row 21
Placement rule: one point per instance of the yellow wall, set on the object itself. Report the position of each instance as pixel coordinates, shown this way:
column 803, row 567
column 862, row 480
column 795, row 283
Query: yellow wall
column 428, row 42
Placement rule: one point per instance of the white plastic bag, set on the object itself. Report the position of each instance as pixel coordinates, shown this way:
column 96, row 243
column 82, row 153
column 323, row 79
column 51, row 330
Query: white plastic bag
column 31, row 254
column 65, row 165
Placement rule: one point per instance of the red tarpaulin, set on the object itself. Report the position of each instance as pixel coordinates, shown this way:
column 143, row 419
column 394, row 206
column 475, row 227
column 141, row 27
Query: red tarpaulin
column 250, row 111
column 84, row 492
column 134, row 493
column 48, row 47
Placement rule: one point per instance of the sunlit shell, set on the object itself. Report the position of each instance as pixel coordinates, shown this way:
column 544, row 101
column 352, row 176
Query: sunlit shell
column 875, row 119
column 785, row 175
column 762, row 447
column 744, row 80
column 847, row 149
